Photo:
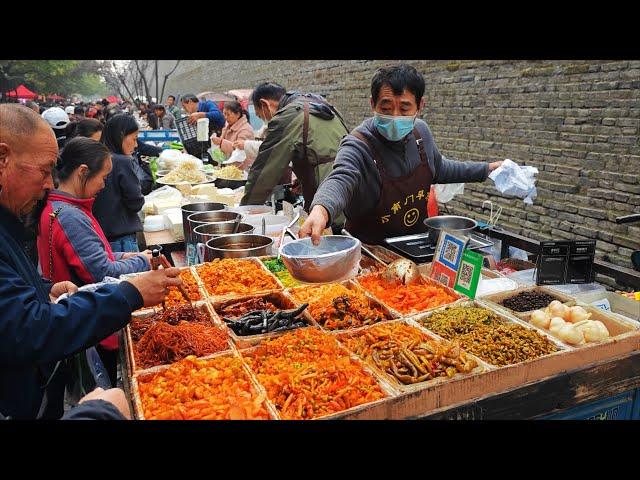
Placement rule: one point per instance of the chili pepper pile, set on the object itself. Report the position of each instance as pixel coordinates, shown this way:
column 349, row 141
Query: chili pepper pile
column 237, row 277
column 334, row 306
column 265, row 321
column 163, row 343
column 174, row 296
column 172, row 316
column 238, row 309
column 489, row 337
column 407, row 354
column 278, row 268
column 412, row 298
column 192, row 389
column 307, row 375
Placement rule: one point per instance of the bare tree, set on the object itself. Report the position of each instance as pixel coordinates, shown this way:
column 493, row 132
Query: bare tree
column 142, row 67
column 166, row 77
column 135, row 78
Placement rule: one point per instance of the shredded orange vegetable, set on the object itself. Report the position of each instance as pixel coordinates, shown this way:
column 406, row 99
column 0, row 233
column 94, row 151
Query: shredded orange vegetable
column 334, row 306
column 235, row 277
column 192, row 389
column 307, row 375
column 412, row 298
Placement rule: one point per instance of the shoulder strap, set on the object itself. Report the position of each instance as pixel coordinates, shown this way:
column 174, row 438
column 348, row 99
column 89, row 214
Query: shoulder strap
column 374, row 152
column 52, row 218
column 305, row 128
column 419, row 143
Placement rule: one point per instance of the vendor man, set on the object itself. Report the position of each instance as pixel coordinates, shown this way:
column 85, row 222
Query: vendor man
column 303, row 130
column 384, row 169
column 203, row 108
column 37, row 335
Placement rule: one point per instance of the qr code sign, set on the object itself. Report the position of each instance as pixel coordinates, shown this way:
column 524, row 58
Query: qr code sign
column 466, row 274
column 442, row 278
column 450, row 252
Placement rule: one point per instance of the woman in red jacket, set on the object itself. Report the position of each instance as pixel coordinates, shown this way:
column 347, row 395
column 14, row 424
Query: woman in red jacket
column 71, row 243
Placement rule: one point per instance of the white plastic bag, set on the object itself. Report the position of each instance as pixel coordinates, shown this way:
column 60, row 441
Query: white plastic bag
column 216, row 153
column 446, row 192
column 513, row 179
column 91, row 287
column 159, row 200
column 170, row 159
column 237, row 156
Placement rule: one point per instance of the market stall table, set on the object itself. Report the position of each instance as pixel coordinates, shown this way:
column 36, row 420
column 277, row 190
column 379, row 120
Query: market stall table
column 554, row 384
column 166, row 240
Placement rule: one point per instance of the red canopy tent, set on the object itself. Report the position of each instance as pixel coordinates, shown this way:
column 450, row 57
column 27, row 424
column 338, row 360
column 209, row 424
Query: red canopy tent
column 22, row 92
column 55, row 97
column 113, row 99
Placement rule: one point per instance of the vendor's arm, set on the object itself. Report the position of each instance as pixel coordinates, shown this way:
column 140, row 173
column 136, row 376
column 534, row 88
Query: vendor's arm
column 452, row 171
column 85, row 253
column 214, row 114
column 336, row 191
column 35, row 332
column 275, row 154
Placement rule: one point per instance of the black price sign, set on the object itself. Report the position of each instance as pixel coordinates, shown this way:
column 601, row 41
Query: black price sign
column 565, row 262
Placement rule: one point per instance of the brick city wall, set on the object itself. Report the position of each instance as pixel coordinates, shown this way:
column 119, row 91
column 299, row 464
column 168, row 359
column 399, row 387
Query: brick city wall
column 577, row 121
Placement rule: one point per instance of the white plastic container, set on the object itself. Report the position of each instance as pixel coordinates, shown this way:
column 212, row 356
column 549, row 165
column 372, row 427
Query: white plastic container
column 154, row 223
column 249, row 210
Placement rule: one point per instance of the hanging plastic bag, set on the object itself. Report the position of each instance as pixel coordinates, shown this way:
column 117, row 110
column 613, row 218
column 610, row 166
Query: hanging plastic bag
column 515, row 180
column 237, row 156
column 446, row 192
column 216, row 153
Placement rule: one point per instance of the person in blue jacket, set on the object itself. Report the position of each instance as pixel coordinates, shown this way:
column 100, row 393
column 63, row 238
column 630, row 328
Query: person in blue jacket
column 37, row 335
column 201, row 109
column 110, row 404
column 100, row 404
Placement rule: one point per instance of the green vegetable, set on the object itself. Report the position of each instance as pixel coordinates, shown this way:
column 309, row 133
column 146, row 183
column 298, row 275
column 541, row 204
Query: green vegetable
column 275, row 265
column 153, row 165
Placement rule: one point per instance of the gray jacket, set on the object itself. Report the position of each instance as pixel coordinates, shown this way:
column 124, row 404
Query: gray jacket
column 354, row 185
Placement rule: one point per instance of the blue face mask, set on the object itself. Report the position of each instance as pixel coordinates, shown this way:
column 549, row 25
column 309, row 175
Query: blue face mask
column 394, row 128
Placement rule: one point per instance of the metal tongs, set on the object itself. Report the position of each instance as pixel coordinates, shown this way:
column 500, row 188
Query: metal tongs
column 286, row 230
column 156, row 260
column 493, row 218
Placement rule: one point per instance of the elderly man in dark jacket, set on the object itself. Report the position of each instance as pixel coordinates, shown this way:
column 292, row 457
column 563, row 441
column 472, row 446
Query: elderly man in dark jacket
column 36, row 335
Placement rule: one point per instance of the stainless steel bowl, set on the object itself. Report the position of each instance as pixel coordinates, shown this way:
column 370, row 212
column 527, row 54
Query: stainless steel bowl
column 191, row 208
column 200, row 218
column 452, row 223
column 238, row 246
column 212, row 230
column 336, row 258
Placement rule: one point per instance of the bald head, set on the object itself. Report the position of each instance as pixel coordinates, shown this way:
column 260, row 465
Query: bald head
column 28, row 153
column 19, row 123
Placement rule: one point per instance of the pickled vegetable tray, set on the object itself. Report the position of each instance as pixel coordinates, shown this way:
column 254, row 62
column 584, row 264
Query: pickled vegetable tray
column 258, row 347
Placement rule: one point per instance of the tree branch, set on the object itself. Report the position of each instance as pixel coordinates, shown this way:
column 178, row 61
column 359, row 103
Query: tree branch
column 165, row 79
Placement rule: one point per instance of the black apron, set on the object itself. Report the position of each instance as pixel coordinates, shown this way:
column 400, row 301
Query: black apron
column 402, row 207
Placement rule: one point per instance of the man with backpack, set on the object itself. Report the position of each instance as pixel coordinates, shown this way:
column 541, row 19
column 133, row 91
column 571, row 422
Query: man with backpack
column 303, row 130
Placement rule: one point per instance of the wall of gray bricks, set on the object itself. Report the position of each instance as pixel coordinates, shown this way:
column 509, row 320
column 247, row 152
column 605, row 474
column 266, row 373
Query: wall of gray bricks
column 577, row 121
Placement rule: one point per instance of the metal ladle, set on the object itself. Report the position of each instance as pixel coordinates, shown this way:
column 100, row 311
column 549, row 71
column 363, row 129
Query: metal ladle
column 402, row 269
